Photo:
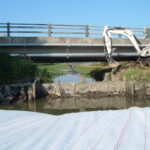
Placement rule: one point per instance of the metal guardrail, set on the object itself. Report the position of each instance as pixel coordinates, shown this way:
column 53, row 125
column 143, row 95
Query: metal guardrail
column 26, row 29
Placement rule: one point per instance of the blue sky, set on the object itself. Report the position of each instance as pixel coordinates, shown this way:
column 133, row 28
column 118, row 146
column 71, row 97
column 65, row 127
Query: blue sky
column 129, row 13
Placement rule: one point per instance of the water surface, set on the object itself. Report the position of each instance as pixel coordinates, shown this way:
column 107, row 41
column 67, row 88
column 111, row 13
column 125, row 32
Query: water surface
column 68, row 105
column 72, row 77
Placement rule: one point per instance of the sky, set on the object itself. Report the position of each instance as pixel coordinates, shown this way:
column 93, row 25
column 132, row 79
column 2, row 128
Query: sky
column 125, row 13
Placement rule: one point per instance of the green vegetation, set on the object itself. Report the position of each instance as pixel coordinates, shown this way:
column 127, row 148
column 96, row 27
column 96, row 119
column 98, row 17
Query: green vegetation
column 18, row 69
column 44, row 75
column 87, row 69
column 95, row 70
column 22, row 68
column 54, row 69
column 125, row 63
column 128, row 71
column 47, row 71
column 136, row 73
column 14, row 70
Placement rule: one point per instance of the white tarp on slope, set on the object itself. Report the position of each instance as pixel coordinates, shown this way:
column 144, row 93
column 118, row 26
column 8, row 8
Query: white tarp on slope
column 99, row 130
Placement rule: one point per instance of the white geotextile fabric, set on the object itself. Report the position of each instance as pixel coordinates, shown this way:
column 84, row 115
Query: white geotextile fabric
column 98, row 130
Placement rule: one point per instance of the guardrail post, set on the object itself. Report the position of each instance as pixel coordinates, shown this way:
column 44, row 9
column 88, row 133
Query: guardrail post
column 8, row 29
column 86, row 31
column 146, row 32
column 119, row 36
column 49, row 30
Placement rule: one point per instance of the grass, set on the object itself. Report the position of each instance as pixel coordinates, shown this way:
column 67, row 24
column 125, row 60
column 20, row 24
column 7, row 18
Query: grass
column 54, row 69
column 92, row 70
column 124, row 63
column 47, row 71
column 97, row 70
column 86, row 70
column 136, row 73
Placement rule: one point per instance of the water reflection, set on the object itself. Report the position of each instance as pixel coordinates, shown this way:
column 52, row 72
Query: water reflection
column 60, row 106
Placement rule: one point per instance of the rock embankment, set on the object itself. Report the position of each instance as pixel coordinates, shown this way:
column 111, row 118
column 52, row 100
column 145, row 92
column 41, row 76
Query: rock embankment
column 16, row 92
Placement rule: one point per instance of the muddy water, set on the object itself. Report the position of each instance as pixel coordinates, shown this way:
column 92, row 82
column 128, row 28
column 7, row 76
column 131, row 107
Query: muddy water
column 61, row 106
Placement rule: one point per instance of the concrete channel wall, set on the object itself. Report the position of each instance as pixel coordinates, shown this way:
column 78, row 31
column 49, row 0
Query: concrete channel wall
column 107, row 88
column 29, row 92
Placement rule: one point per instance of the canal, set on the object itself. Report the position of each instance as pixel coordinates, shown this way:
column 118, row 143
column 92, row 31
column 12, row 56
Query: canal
column 75, row 104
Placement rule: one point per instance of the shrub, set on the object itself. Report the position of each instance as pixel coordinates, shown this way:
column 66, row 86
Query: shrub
column 15, row 69
column 23, row 68
column 44, row 75
column 5, row 68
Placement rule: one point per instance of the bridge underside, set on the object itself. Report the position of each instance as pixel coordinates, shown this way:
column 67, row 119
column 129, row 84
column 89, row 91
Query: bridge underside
column 66, row 49
column 69, row 53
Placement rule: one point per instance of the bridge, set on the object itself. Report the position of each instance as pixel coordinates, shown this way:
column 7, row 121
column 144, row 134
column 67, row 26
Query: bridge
column 64, row 41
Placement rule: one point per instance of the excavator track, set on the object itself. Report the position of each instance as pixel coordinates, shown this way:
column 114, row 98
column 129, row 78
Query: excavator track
column 145, row 61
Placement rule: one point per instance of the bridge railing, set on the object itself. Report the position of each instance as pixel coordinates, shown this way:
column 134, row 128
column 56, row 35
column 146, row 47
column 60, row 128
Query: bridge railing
column 61, row 30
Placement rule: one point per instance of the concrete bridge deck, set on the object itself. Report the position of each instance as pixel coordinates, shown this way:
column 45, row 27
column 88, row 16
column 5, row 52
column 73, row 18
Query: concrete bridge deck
column 66, row 47
column 64, row 41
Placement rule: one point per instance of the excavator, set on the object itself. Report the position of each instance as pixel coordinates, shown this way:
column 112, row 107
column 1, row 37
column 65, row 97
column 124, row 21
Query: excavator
column 143, row 52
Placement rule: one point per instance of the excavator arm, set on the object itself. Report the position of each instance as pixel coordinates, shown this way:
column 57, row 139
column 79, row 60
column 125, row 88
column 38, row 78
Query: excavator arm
column 144, row 52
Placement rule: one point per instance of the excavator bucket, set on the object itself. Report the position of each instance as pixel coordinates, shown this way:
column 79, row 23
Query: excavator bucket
column 112, row 63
